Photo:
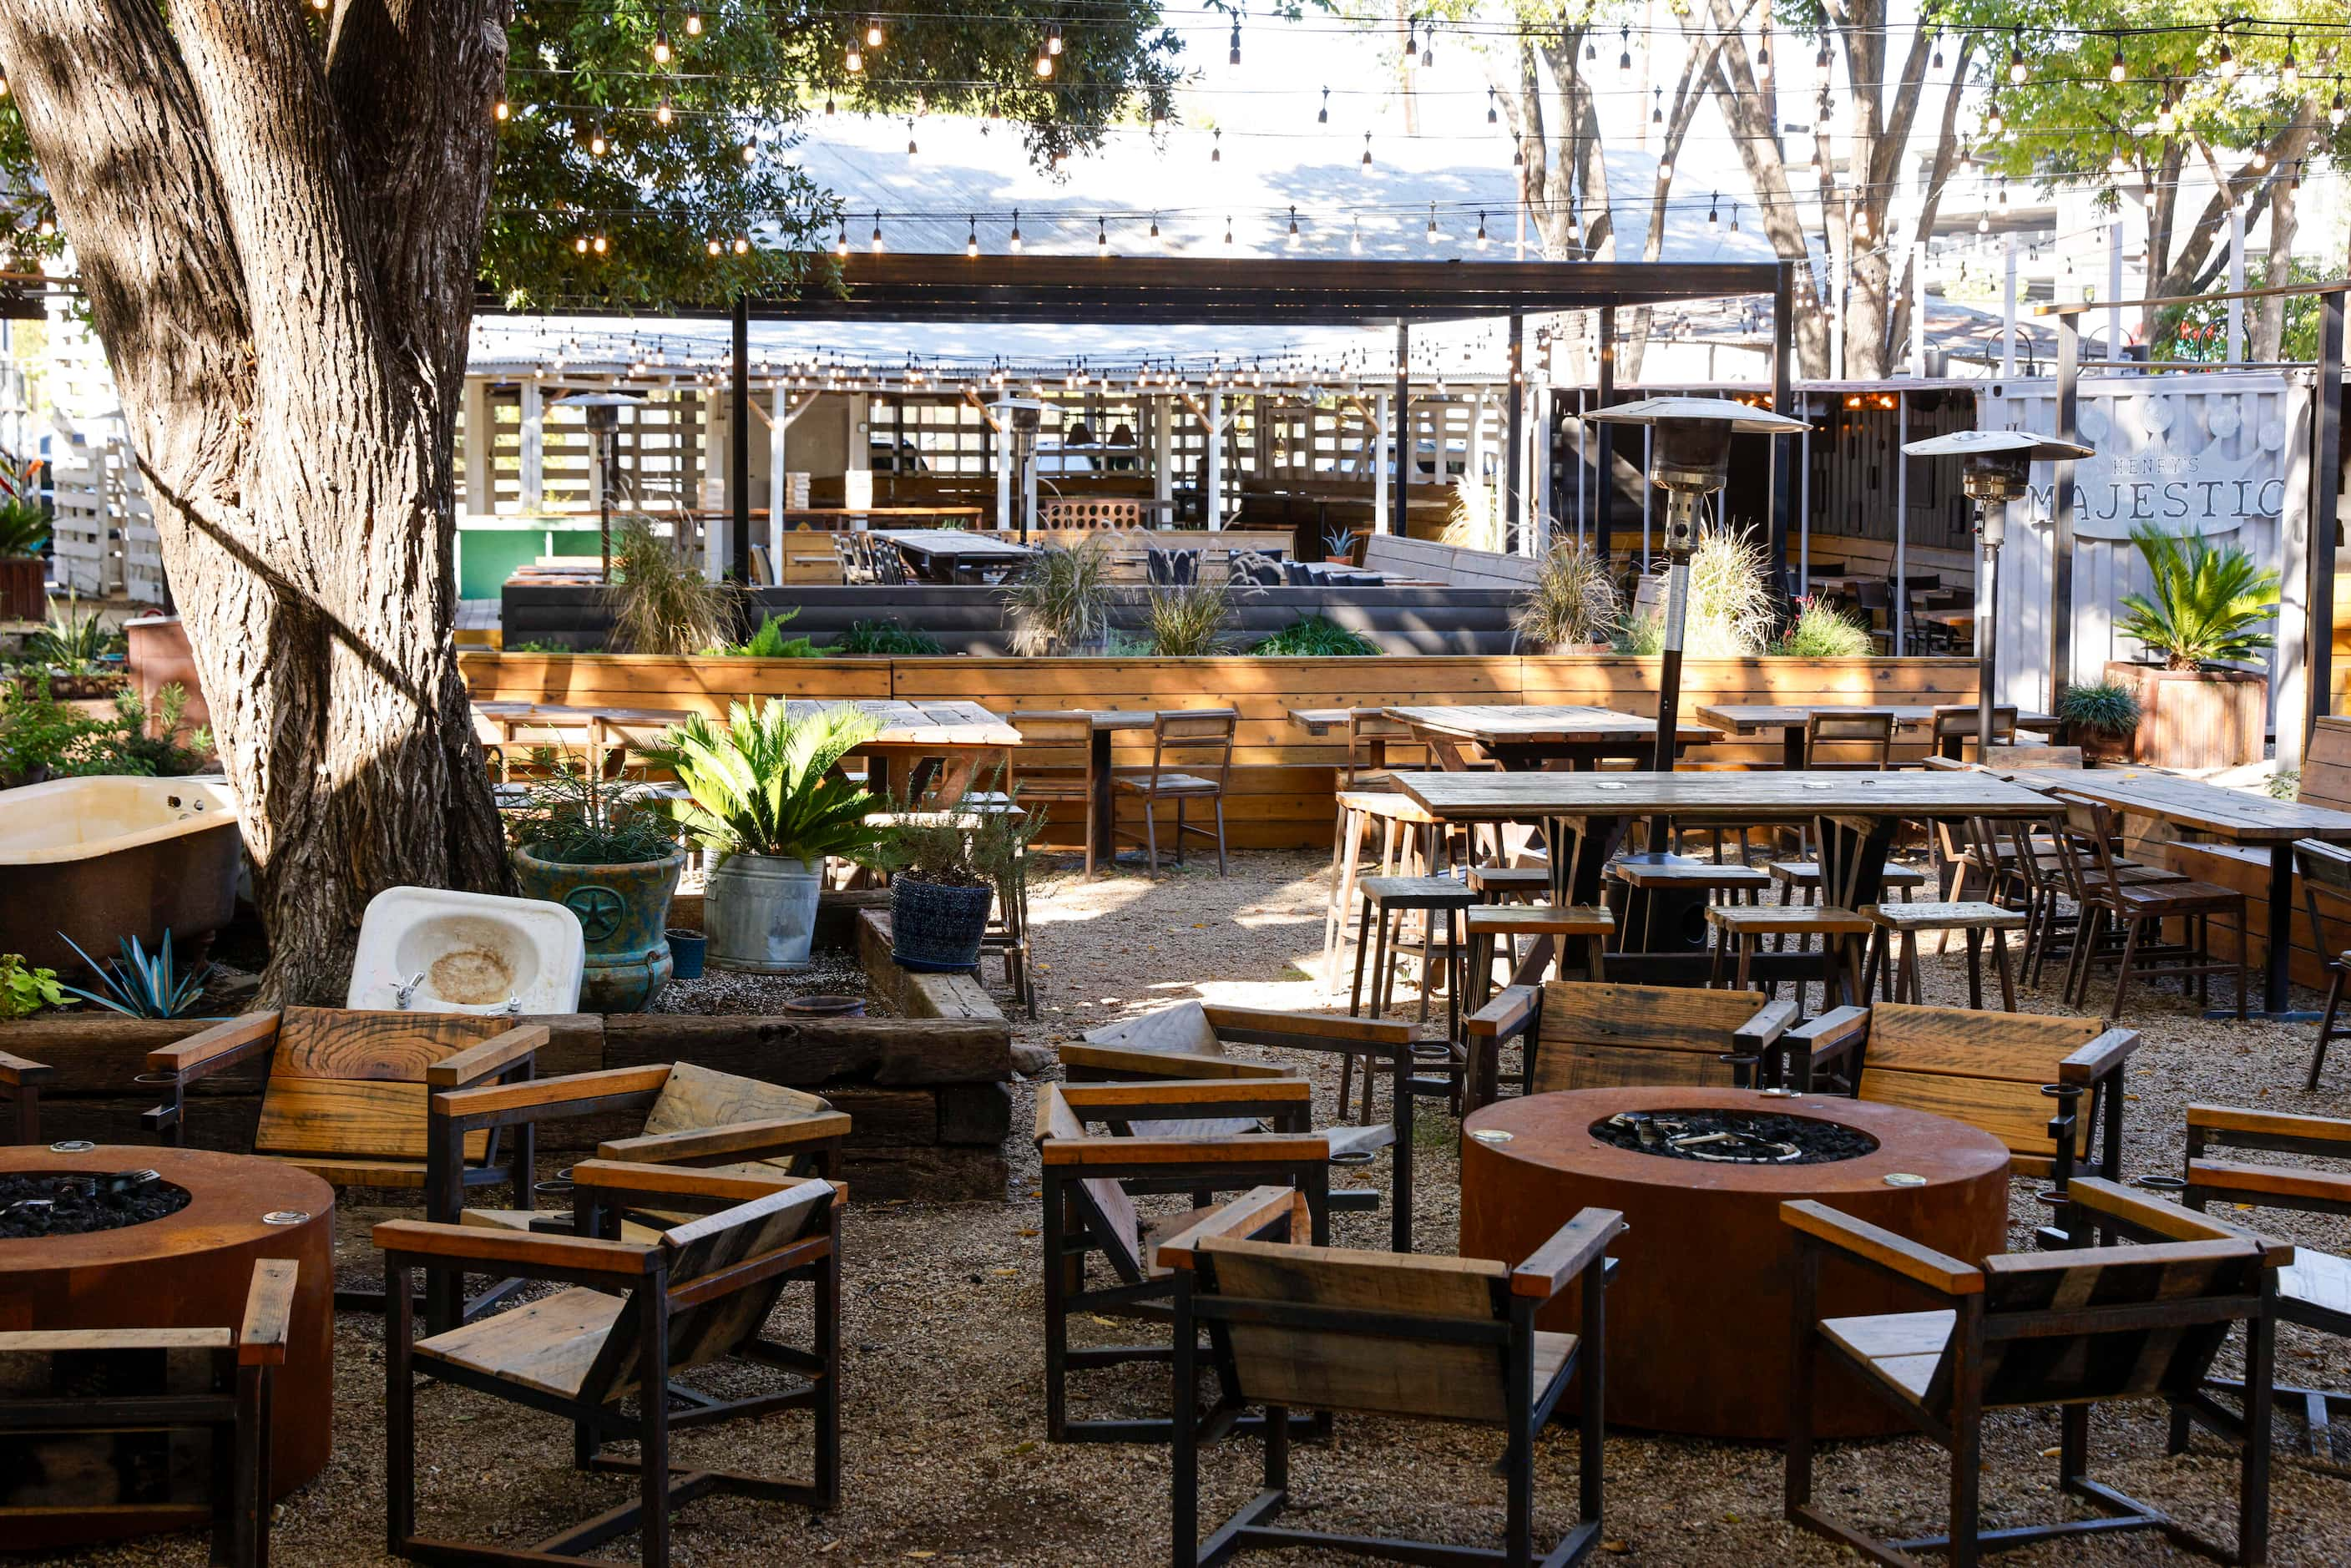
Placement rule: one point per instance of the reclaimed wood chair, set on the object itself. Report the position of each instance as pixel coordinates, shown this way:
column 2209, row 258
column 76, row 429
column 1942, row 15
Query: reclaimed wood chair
column 21, row 1080
column 1860, row 740
column 1492, row 930
column 637, row 1314
column 1578, row 1036
column 66, row 1401
column 1191, row 761
column 345, row 1100
column 1052, row 765
column 1312, row 1327
column 2314, row 1291
column 1741, row 930
column 1953, row 727
column 2073, row 1328
column 1092, row 1179
column 2108, row 904
column 1189, row 1040
column 2021, row 1077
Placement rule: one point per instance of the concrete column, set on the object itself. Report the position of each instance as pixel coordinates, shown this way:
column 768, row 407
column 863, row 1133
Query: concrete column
column 779, row 412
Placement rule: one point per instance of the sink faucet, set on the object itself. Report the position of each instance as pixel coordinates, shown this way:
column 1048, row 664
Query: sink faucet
column 514, row 1007
column 403, row 994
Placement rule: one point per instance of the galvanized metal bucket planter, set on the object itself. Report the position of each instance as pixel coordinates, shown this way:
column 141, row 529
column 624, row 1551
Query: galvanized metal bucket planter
column 935, row 929
column 623, row 909
column 760, row 913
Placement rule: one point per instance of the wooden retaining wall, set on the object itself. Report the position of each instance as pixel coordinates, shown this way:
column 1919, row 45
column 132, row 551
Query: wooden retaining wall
column 1284, row 779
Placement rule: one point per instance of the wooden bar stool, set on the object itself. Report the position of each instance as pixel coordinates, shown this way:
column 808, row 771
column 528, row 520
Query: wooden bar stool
column 1487, row 924
column 1905, row 921
column 1405, row 830
column 1510, row 885
column 1388, row 900
column 1741, row 929
column 1648, row 876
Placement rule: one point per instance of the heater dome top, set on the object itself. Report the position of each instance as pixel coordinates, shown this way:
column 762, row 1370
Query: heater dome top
column 1742, row 419
column 1997, row 443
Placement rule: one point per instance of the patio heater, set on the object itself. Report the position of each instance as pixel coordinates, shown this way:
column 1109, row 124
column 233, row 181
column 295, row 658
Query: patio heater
column 1020, row 418
column 1690, row 456
column 1999, row 464
column 603, row 414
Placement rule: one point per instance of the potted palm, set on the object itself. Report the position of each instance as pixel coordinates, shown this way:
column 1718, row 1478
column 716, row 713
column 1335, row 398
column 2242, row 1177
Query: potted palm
column 763, row 800
column 2206, row 612
column 1572, row 606
column 947, row 867
column 24, row 530
column 598, row 847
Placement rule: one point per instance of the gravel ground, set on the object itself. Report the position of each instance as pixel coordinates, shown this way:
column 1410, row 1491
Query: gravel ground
column 944, row 1379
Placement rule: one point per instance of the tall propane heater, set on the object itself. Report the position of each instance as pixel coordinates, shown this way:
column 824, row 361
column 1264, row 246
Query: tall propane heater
column 1690, row 456
column 2000, row 461
column 603, row 412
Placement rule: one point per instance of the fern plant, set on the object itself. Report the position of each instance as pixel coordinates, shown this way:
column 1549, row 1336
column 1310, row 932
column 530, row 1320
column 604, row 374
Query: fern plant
column 762, row 783
column 769, row 642
column 2207, row 607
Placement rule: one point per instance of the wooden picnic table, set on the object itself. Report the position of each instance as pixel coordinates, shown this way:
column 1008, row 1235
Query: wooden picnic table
column 2216, row 811
column 940, row 554
column 1523, row 738
column 1790, row 718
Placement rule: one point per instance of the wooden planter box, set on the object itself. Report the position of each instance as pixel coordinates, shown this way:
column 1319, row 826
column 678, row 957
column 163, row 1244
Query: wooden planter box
column 2195, row 718
column 22, row 595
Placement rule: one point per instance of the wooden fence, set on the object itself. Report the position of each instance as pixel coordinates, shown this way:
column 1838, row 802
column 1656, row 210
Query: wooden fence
column 1283, row 780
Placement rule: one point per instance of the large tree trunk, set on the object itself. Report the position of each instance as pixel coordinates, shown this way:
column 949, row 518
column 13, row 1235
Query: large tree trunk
column 279, row 238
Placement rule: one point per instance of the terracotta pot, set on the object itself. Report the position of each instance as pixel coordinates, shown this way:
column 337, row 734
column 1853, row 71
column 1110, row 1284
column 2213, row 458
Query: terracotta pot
column 160, row 656
column 2195, row 718
column 22, row 595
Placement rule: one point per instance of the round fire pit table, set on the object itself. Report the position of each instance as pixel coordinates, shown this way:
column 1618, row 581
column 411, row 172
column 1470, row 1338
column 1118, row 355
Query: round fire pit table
column 1698, row 1314
column 188, row 1269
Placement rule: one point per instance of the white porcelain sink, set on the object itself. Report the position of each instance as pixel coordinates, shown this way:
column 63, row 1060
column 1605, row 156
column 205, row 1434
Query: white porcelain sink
column 425, row 949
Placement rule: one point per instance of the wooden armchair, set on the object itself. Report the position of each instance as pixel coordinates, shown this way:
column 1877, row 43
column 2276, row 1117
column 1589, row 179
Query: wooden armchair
column 1188, row 1041
column 1577, row 1035
column 2081, row 1327
column 2315, row 1289
column 2022, row 1077
column 635, row 1316
column 1093, row 1178
column 21, row 1081
column 345, row 1098
column 214, row 1380
column 1328, row 1328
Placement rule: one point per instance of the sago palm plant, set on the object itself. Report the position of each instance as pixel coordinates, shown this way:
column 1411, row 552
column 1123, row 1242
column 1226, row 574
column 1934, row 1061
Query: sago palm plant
column 2208, row 605
column 761, row 784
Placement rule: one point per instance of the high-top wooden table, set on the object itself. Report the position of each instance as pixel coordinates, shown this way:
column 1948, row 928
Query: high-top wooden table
column 1584, row 817
column 1790, row 718
column 2215, row 811
column 1523, row 738
column 940, row 554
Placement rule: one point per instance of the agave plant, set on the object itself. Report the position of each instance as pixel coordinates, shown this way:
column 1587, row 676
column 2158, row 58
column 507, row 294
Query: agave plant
column 2208, row 606
column 72, row 643
column 141, row 986
column 762, row 785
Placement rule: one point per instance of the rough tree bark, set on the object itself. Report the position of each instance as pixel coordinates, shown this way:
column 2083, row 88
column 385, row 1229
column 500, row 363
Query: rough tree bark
column 278, row 236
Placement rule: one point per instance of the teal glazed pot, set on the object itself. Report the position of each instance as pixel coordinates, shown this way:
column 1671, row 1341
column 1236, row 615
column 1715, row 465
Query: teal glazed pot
column 623, row 910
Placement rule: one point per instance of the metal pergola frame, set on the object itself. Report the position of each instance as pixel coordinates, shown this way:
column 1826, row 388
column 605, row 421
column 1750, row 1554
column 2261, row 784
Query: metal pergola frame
column 1253, row 291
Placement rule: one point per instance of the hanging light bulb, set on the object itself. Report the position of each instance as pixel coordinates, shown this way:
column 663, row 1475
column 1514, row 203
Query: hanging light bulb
column 742, row 244
column 600, row 244
column 750, row 151
column 829, row 110
column 877, row 233
column 1053, row 39
column 2017, row 69
column 1217, row 145
column 1235, row 50
column 46, row 226
column 1936, row 64
column 2261, row 159
column 2119, row 70
column 1044, row 62
column 853, row 60
column 597, row 145
column 1712, row 202
column 1993, row 123
column 2336, row 112
column 2227, row 63
column 693, row 21
column 911, row 148
column 663, row 114
column 1324, row 117
column 1229, row 228
column 1493, row 108
column 1367, row 149
column 1293, row 226
column 971, row 240
column 1428, row 43
column 1435, row 234
column 2167, row 119
column 1355, row 235
column 1624, row 59
column 840, row 245
column 1102, row 237
column 500, row 110
column 873, row 32
column 714, row 247
column 1763, row 55
column 2115, row 162
column 1657, row 114
column 1983, row 222
column 1734, row 217
column 1154, row 225
column 1517, row 153
column 2290, row 73
column 1665, row 167
column 1016, row 230
column 1481, row 231
column 1826, row 56
column 580, row 245
column 661, row 50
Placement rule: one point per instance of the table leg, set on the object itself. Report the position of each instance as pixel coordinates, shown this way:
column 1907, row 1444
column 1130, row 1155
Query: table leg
column 2275, row 973
column 1791, row 747
column 1098, row 775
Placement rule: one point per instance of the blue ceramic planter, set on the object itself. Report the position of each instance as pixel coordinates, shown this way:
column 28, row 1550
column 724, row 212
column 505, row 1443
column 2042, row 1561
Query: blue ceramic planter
column 622, row 911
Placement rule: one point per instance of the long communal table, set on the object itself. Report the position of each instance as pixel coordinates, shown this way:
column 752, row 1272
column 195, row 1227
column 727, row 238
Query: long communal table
column 1790, row 718
column 1523, row 738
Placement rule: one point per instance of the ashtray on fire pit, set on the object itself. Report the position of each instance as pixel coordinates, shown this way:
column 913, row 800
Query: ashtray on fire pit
column 76, row 1203
column 1734, row 1138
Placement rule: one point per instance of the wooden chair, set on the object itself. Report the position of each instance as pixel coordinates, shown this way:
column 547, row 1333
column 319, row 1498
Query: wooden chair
column 1091, row 1180
column 21, row 1081
column 1191, row 759
column 2022, row 1077
column 2110, row 903
column 2315, row 1290
column 1407, row 833
column 1331, row 1329
column 2081, row 1327
column 1577, row 1036
column 1894, row 946
column 1381, row 943
column 122, row 1397
column 1053, row 763
column 1189, row 1040
column 1860, row 740
column 637, row 1314
column 345, row 1100
column 2321, row 864
column 1669, row 884
column 1953, row 726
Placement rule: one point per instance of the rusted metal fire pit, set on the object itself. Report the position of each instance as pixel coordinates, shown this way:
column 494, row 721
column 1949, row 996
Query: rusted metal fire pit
column 186, row 1267
column 1698, row 1314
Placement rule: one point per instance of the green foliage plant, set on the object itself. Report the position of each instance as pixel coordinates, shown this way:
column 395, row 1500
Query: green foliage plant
column 1187, row 622
column 1315, row 637
column 72, row 643
column 1572, row 601
column 2208, row 606
column 885, row 637
column 1730, row 613
column 1061, row 601
column 24, row 990
column 23, row 527
column 1820, row 630
column 2103, row 707
column 140, row 984
column 660, row 602
column 981, row 845
column 42, row 737
column 576, row 817
column 762, row 783
column 769, row 642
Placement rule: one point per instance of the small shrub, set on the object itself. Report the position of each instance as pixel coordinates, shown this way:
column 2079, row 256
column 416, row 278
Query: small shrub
column 1061, row 603
column 72, row 643
column 1572, row 599
column 1819, row 631
column 2104, row 707
column 1318, row 637
column 1188, row 622
column 2208, row 604
column 41, row 737
column 528, row 646
column 660, row 604
column 2285, row 785
column 1730, row 613
column 24, row 991
column 885, row 637
column 953, row 848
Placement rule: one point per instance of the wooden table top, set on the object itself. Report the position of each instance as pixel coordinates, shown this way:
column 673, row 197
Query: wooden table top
column 2239, row 816
column 1507, row 724
column 883, row 512
column 1759, row 796
column 925, row 723
column 562, row 713
column 1323, row 720
column 1751, row 718
column 953, row 541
